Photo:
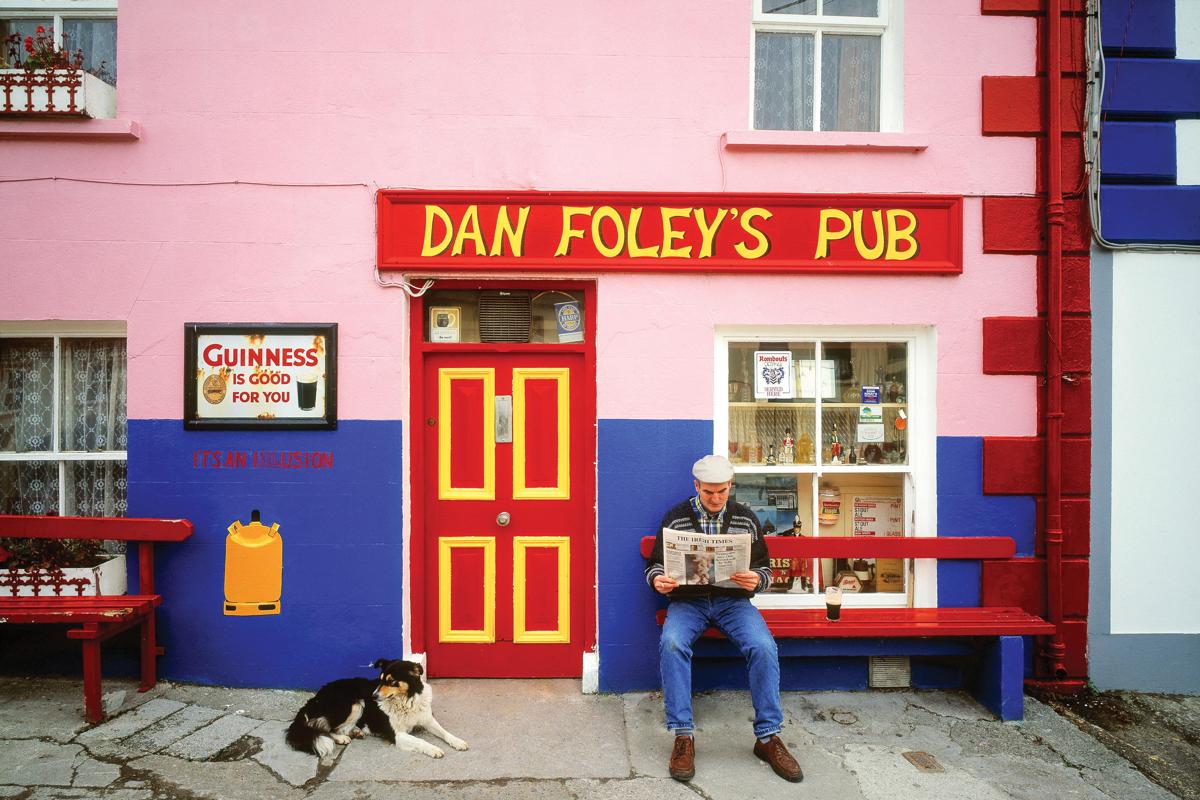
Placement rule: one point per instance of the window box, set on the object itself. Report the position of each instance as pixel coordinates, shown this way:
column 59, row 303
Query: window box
column 107, row 577
column 56, row 93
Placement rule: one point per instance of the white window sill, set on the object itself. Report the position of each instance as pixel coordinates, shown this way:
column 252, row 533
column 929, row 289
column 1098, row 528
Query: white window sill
column 96, row 130
column 860, row 141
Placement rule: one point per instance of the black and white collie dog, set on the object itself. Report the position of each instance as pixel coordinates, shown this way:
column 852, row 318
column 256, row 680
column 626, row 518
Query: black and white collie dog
column 391, row 706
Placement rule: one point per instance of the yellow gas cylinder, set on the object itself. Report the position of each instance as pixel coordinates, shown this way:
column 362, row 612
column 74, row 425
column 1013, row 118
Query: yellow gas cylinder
column 253, row 568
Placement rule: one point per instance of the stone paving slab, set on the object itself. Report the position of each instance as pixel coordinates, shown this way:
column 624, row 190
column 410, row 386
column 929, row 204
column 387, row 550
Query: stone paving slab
column 29, row 762
column 277, row 755
column 131, row 722
column 59, row 714
column 213, row 738
column 171, row 728
column 263, row 704
column 452, row 790
column 883, row 773
column 96, row 774
column 220, row 780
column 91, row 794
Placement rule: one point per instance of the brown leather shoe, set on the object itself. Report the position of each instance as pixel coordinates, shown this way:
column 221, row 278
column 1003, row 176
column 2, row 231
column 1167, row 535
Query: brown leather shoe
column 682, row 765
column 775, row 753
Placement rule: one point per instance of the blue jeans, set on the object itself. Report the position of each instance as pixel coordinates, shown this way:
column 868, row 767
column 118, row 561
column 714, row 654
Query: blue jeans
column 738, row 619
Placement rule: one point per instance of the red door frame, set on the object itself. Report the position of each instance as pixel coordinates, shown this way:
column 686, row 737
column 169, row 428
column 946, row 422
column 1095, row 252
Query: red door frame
column 418, row 347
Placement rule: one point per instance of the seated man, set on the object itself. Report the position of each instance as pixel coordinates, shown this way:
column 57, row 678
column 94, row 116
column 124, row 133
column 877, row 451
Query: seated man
column 692, row 609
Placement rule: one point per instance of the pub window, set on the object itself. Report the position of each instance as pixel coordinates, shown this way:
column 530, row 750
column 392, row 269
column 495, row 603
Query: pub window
column 827, row 65
column 89, row 26
column 832, row 435
column 63, row 436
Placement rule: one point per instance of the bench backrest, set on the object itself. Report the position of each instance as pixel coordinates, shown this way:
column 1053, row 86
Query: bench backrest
column 947, row 547
column 128, row 529
column 146, row 532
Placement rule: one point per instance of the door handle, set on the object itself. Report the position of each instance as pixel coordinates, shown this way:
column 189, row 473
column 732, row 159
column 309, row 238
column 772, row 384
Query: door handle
column 503, row 518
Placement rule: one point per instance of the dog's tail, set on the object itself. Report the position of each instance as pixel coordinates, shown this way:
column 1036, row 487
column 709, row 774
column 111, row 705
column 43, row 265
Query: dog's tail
column 310, row 735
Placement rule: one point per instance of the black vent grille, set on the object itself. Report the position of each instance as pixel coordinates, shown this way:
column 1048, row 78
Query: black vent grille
column 504, row 317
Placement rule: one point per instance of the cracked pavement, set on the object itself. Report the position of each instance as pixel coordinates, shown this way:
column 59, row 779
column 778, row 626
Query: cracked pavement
column 544, row 740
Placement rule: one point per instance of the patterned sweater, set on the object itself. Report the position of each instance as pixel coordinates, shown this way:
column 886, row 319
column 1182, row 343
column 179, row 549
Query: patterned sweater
column 736, row 518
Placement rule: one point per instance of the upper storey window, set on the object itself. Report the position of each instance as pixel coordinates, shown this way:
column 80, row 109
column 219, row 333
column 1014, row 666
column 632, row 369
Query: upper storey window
column 827, row 65
column 87, row 26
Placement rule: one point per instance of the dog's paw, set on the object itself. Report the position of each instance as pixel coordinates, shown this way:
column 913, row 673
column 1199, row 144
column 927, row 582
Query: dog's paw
column 458, row 744
column 435, row 752
column 358, row 733
column 340, row 738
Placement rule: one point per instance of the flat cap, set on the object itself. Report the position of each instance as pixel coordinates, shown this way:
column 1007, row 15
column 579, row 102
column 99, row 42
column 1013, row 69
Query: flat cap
column 713, row 469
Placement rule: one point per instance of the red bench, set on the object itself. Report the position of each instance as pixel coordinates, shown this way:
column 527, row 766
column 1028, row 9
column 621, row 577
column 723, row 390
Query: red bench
column 99, row 617
column 1002, row 680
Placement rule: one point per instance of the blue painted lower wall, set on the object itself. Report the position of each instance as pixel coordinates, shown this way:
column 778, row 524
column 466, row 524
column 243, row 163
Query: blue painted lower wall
column 342, row 554
column 343, row 567
column 645, row 466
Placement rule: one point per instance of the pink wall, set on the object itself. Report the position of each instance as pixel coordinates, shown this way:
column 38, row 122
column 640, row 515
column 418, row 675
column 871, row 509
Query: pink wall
column 614, row 95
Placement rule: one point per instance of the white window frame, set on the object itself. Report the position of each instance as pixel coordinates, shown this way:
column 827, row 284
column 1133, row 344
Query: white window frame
column 889, row 26
column 58, row 11
column 59, row 331
column 920, row 488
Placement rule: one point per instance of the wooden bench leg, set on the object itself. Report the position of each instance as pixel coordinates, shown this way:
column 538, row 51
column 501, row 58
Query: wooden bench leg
column 1000, row 685
column 93, row 709
column 149, row 654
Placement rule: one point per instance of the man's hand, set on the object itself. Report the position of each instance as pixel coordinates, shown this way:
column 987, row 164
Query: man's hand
column 746, row 580
column 665, row 585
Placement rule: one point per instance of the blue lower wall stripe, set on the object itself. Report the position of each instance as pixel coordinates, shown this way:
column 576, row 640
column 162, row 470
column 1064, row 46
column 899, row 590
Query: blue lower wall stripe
column 342, row 549
column 645, row 466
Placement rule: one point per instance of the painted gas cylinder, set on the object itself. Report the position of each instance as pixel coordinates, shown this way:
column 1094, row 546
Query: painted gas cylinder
column 253, row 568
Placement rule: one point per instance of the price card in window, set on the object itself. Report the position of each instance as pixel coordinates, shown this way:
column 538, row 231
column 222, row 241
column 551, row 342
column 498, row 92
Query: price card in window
column 877, row 516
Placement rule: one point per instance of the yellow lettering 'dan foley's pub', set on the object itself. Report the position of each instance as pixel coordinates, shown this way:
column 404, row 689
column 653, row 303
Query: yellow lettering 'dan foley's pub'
column 658, row 232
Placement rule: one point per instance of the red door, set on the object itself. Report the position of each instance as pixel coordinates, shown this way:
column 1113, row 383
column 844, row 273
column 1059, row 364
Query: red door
column 508, row 513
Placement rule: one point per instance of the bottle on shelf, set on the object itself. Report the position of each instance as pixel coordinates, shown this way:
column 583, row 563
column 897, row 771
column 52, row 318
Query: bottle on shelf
column 771, row 453
column 853, row 457
column 787, row 448
column 756, row 453
column 805, row 449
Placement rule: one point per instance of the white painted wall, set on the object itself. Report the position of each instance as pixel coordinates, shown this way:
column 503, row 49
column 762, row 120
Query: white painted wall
column 1156, row 443
column 1187, row 29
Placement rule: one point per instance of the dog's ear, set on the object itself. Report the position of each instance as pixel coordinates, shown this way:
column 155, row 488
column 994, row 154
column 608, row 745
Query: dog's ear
column 417, row 669
column 379, row 663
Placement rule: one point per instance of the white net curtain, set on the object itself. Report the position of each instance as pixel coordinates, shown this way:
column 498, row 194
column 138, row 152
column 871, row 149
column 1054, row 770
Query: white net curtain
column 92, row 419
column 785, row 72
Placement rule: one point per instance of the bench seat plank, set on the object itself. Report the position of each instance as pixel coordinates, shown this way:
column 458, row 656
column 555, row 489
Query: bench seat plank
column 51, row 609
column 897, row 623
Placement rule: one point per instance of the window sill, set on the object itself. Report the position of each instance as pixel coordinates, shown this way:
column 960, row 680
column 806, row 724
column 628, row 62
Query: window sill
column 95, row 130
column 858, row 141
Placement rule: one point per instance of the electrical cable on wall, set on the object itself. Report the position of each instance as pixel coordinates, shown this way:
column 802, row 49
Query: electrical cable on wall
column 410, row 289
column 1094, row 118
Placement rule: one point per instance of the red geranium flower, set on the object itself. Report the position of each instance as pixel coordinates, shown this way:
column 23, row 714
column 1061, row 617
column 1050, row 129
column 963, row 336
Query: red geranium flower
column 40, row 29
column 28, row 44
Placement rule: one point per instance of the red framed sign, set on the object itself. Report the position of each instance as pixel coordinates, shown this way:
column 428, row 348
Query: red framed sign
column 446, row 232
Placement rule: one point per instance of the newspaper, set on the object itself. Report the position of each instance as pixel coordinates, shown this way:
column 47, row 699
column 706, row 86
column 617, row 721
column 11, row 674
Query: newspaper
column 697, row 559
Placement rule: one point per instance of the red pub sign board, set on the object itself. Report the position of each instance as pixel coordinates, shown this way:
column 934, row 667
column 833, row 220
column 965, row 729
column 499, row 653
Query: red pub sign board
column 652, row 232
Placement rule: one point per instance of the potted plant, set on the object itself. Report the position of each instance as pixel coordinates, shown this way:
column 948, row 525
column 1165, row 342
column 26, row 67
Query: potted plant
column 39, row 79
column 67, row 567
